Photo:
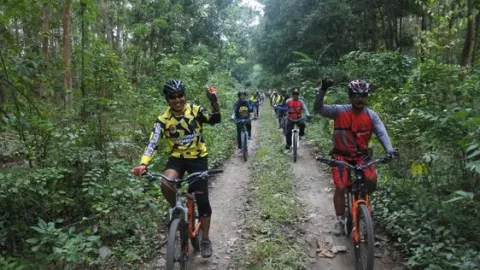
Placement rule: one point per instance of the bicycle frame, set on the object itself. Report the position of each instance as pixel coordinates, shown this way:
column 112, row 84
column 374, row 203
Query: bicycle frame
column 184, row 201
column 356, row 191
column 295, row 129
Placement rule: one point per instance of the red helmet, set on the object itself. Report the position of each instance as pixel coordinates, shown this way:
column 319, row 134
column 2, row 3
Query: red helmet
column 358, row 87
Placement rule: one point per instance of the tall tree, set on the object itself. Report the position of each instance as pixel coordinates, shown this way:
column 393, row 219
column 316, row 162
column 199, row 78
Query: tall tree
column 469, row 35
column 67, row 56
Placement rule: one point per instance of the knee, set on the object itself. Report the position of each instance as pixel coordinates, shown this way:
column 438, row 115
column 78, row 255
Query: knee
column 203, row 204
column 370, row 186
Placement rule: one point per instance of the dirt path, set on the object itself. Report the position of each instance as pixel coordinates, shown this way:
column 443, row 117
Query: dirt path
column 314, row 189
column 228, row 200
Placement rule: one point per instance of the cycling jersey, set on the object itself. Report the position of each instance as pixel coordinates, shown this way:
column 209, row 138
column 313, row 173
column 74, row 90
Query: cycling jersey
column 352, row 130
column 295, row 108
column 242, row 109
column 254, row 99
column 184, row 133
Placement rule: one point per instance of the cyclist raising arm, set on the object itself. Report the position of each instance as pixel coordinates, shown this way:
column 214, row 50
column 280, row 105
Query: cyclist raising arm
column 353, row 127
column 182, row 125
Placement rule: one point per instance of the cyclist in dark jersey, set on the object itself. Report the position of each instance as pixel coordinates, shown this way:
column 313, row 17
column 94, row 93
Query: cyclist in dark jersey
column 241, row 110
column 182, row 126
column 353, row 127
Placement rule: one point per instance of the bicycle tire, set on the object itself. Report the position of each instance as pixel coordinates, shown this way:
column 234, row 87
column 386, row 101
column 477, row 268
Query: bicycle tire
column 197, row 239
column 294, row 144
column 364, row 250
column 244, row 145
column 348, row 215
column 177, row 226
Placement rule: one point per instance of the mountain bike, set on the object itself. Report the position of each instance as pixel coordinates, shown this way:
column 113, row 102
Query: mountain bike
column 284, row 119
column 184, row 219
column 243, row 137
column 255, row 111
column 358, row 219
column 295, row 137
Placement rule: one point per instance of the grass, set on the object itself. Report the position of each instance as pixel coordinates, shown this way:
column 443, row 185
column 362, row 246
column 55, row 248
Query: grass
column 274, row 208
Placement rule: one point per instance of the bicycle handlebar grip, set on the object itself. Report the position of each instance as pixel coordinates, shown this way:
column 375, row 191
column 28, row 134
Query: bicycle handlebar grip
column 215, row 171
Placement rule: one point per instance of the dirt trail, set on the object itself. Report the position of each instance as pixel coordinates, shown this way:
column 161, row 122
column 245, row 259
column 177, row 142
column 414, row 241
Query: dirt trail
column 228, row 200
column 314, row 189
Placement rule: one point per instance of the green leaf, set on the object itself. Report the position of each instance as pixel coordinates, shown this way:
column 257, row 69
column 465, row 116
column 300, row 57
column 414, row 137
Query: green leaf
column 32, row 240
column 93, row 238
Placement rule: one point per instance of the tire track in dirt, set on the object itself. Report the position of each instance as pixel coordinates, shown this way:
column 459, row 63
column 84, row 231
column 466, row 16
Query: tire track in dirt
column 227, row 197
column 314, row 190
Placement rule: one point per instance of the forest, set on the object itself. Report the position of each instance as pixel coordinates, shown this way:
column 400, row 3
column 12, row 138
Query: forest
column 81, row 86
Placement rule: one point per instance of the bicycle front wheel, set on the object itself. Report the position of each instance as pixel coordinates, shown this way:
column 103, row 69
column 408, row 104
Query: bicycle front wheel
column 244, row 145
column 176, row 245
column 295, row 145
column 364, row 249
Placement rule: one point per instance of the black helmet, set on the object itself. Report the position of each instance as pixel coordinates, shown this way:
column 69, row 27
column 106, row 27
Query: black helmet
column 295, row 91
column 173, row 87
column 242, row 92
column 358, row 87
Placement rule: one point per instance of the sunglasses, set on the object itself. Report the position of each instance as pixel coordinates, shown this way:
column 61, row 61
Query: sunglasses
column 173, row 97
column 295, row 94
column 359, row 95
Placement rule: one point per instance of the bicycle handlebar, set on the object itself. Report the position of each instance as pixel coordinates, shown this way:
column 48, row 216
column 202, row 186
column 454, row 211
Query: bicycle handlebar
column 241, row 120
column 189, row 179
column 296, row 120
column 333, row 161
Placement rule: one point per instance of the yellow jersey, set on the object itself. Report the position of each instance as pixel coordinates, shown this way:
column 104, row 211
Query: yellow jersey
column 184, row 133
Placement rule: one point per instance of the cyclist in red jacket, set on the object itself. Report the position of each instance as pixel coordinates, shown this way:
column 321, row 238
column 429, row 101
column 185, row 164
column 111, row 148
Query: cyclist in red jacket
column 353, row 127
column 295, row 107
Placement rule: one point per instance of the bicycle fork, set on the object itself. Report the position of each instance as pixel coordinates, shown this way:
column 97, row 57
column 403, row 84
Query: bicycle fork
column 355, row 206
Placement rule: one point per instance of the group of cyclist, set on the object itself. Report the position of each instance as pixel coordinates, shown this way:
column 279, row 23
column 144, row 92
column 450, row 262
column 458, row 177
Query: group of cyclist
column 182, row 126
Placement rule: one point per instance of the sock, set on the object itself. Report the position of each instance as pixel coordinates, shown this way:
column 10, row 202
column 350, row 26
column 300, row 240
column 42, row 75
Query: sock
column 340, row 218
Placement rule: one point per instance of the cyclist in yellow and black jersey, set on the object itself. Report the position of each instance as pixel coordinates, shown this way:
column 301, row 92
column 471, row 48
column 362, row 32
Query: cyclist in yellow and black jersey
column 255, row 102
column 182, row 126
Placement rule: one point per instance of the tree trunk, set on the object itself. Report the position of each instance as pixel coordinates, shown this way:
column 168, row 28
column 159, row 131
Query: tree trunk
column 422, row 39
column 44, row 36
column 45, row 30
column 106, row 23
column 469, row 36
column 475, row 41
column 67, row 56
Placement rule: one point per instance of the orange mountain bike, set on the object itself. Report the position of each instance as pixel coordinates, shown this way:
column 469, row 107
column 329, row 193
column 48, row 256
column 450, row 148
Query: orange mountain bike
column 184, row 220
column 358, row 220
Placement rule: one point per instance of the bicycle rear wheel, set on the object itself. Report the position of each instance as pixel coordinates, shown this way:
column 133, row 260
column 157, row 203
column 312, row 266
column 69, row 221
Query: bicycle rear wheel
column 244, row 145
column 176, row 245
column 295, row 145
column 364, row 249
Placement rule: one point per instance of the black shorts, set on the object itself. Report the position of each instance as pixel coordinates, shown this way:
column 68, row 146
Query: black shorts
column 190, row 165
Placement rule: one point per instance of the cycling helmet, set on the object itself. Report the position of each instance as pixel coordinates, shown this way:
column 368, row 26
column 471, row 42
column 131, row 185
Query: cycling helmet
column 358, row 87
column 295, row 91
column 173, row 87
column 242, row 92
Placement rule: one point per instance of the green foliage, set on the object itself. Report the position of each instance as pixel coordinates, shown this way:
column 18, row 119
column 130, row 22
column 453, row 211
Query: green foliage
column 430, row 114
column 438, row 234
